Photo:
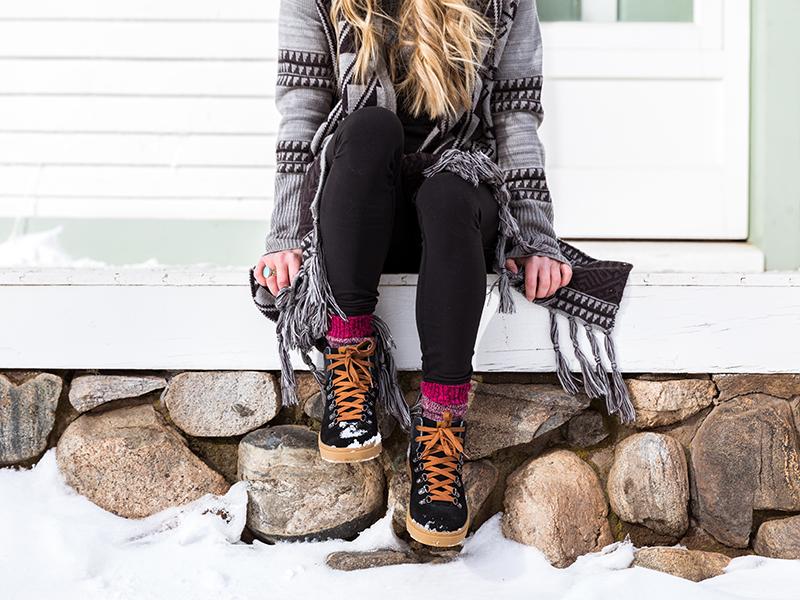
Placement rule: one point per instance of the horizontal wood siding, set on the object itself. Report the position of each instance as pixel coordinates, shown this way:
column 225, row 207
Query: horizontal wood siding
column 136, row 109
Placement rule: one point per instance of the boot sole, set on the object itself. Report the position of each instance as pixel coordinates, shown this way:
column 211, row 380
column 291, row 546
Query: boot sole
column 437, row 539
column 348, row 455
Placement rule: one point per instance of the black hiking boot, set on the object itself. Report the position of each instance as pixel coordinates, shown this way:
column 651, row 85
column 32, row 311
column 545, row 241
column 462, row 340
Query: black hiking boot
column 349, row 430
column 437, row 508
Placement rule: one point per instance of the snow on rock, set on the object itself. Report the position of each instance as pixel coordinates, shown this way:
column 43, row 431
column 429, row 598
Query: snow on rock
column 130, row 462
column 555, row 502
column 55, row 539
column 294, row 494
column 694, row 565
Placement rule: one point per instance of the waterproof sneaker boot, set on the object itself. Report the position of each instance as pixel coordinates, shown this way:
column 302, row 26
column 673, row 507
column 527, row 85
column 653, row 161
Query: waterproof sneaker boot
column 349, row 430
column 437, row 508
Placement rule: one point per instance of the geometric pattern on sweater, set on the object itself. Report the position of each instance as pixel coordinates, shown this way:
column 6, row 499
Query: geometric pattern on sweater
column 305, row 69
column 293, row 156
column 524, row 93
column 528, row 184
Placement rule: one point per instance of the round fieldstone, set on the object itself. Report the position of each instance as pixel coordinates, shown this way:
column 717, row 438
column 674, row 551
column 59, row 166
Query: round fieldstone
column 744, row 457
column 294, row 494
column 649, row 483
column 130, row 462
column 222, row 403
column 779, row 538
column 694, row 565
column 27, row 415
column 87, row 392
column 354, row 561
column 555, row 502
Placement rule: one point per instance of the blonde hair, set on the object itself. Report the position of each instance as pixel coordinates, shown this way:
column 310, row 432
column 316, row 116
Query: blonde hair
column 444, row 40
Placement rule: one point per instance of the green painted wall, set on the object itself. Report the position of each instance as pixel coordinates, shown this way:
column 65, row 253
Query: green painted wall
column 656, row 10
column 775, row 132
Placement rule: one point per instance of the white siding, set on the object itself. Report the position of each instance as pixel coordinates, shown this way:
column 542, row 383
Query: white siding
column 166, row 108
column 137, row 108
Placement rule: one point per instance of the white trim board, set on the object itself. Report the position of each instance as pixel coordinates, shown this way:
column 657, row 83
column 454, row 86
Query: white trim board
column 192, row 319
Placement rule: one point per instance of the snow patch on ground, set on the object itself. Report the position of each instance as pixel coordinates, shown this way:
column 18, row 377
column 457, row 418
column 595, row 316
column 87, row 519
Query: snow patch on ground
column 56, row 544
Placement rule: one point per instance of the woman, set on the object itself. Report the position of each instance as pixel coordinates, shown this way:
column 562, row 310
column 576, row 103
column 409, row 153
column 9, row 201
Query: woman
column 408, row 143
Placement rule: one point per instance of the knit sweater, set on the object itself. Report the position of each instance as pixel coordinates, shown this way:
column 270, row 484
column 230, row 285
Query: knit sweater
column 315, row 91
column 495, row 142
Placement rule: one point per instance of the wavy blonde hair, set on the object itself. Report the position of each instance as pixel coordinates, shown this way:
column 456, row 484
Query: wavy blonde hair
column 443, row 40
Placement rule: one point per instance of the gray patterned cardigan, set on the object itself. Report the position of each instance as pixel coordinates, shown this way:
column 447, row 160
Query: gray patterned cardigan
column 496, row 142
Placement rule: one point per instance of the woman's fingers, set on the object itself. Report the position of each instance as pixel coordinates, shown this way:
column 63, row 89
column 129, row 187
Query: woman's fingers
column 293, row 262
column 272, row 282
column 531, row 280
column 511, row 265
column 543, row 279
column 566, row 274
column 555, row 277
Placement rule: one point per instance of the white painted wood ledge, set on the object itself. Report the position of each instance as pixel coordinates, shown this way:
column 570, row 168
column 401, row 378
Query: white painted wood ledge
column 190, row 318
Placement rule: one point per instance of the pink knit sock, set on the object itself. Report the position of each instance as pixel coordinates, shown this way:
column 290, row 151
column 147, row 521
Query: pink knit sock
column 352, row 331
column 439, row 397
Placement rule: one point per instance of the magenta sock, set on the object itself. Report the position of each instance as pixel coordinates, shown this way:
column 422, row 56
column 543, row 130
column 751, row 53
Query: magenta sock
column 440, row 397
column 352, row 331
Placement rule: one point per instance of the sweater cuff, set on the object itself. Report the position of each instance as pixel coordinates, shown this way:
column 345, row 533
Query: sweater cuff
column 274, row 244
column 541, row 245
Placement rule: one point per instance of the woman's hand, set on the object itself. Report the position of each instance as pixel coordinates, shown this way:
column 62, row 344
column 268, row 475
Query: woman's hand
column 285, row 263
column 543, row 275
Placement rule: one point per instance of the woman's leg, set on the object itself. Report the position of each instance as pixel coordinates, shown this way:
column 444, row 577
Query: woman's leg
column 357, row 213
column 459, row 224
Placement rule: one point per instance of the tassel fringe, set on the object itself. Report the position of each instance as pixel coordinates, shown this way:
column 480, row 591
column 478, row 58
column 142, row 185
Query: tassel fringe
column 618, row 400
column 388, row 388
column 568, row 381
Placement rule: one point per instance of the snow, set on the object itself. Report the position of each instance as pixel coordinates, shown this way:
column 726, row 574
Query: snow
column 56, row 544
column 44, row 249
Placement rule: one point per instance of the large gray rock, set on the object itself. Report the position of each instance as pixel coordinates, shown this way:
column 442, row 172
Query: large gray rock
column 222, row 403
column 649, row 483
column 504, row 415
column 694, row 565
column 294, row 494
column 130, row 462
column 744, row 457
column 27, row 415
column 480, row 477
column 784, row 385
column 90, row 391
column 555, row 502
column 779, row 538
column 666, row 401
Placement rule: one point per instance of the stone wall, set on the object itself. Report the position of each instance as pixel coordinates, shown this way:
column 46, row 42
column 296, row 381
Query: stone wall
column 712, row 463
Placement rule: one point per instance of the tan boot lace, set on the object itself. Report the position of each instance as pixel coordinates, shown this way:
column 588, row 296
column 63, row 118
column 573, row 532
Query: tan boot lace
column 352, row 378
column 441, row 471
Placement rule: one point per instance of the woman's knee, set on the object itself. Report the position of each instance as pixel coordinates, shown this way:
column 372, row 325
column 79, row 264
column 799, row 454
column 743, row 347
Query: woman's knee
column 373, row 126
column 446, row 198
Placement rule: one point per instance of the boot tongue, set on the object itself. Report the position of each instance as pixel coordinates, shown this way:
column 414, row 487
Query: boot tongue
column 447, row 418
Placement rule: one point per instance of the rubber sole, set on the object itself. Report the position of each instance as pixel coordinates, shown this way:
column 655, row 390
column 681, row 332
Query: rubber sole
column 348, row 455
column 438, row 539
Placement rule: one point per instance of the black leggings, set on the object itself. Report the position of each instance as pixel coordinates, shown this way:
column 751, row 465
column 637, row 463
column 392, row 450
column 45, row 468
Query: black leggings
column 374, row 219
